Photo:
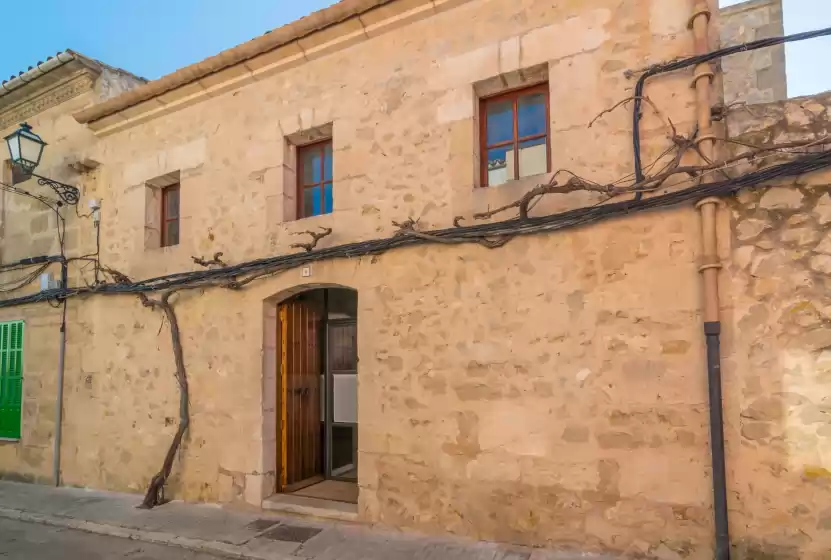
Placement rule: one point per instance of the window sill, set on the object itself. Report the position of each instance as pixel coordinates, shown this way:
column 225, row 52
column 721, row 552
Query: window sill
column 316, row 216
column 305, row 218
column 162, row 249
column 484, row 199
column 311, row 221
column 525, row 182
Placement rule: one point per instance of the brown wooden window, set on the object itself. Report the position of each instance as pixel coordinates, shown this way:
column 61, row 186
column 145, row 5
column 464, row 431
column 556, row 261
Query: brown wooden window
column 515, row 135
column 170, row 215
column 314, row 179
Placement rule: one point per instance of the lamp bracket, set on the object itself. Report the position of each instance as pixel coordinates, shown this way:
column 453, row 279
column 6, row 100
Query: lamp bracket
column 67, row 193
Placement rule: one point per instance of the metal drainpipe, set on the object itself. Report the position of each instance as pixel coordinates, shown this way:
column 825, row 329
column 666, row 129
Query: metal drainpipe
column 56, row 452
column 710, row 266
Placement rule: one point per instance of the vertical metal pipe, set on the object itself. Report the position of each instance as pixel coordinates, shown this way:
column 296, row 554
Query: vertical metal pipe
column 712, row 331
column 56, row 452
column 710, row 266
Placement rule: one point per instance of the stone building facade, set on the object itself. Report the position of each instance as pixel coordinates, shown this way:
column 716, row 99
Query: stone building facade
column 46, row 96
column 551, row 392
column 755, row 76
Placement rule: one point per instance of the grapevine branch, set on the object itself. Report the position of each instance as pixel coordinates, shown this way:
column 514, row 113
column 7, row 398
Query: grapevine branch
column 491, row 235
column 408, row 229
column 649, row 184
column 628, row 100
column 216, row 261
column 155, row 491
column 316, row 236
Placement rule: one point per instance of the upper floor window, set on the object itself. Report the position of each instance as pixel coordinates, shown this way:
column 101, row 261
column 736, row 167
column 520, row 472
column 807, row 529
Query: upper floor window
column 170, row 215
column 515, row 135
column 314, row 179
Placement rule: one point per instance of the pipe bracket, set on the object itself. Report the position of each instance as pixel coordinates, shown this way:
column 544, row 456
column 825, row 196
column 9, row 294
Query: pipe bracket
column 708, row 266
column 705, row 137
column 709, row 200
column 700, row 10
column 702, row 72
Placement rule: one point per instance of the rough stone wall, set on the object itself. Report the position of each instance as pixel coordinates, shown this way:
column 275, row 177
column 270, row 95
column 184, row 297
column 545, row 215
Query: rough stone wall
column 113, row 82
column 30, row 229
column 548, row 393
column 781, row 332
column 757, row 76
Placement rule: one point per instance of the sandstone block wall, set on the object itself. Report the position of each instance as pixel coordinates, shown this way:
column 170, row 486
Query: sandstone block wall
column 516, row 395
column 757, row 76
column 28, row 229
column 776, row 366
column 552, row 392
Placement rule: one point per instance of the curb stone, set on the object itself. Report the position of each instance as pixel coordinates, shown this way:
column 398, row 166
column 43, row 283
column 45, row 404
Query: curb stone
column 151, row 537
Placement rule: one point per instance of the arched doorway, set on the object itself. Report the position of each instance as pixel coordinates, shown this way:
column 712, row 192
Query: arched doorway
column 317, row 395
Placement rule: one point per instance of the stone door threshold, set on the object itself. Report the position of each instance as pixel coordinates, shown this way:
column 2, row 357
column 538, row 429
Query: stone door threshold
column 311, row 507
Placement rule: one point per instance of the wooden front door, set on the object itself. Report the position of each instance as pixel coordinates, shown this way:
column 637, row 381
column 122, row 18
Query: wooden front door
column 301, row 456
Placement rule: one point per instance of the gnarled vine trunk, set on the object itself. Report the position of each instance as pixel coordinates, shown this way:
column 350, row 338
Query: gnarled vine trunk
column 155, row 492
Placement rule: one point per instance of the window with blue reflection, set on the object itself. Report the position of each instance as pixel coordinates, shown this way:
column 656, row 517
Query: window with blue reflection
column 315, row 179
column 515, row 135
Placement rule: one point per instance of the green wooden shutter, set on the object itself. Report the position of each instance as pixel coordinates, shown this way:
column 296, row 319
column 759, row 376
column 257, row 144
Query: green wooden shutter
column 11, row 378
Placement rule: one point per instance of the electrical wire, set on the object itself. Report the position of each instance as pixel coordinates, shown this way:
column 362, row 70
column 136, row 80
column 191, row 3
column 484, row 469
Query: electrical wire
column 681, row 64
column 508, row 228
column 51, row 204
column 10, row 286
column 18, row 283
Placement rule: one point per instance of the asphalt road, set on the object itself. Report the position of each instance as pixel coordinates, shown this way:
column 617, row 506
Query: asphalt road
column 29, row 541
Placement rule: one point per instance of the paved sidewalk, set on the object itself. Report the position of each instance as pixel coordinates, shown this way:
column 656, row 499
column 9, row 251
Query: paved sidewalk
column 27, row 541
column 214, row 530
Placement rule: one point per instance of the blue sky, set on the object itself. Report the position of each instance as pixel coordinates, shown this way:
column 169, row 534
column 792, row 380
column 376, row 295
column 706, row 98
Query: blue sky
column 155, row 37
column 147, row 37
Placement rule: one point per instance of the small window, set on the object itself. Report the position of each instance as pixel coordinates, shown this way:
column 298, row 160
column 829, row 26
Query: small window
column 170, row 215
column 11, row 378
column 515, row 135
column 314, row 179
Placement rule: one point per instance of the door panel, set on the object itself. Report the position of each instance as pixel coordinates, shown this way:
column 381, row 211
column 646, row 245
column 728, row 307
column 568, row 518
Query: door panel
column 301, row 367
column 341, row 436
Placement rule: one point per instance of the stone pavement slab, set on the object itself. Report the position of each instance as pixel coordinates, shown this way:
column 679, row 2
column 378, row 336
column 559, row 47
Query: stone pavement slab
column 25, row 541
column 109, row 508
column 255, row 536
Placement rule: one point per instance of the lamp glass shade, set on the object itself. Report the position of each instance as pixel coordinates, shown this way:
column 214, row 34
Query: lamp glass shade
column 25, row 147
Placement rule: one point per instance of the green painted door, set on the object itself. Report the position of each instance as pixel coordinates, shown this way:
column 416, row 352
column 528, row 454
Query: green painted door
column 11, row 378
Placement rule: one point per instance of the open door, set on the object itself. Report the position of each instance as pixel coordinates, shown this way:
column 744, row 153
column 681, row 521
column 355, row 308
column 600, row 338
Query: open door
column 301, row 368
column 342, row 406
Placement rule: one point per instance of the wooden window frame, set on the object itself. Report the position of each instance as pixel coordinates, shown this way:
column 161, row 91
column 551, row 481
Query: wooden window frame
column 301, row 186
column 513, row 95
column 175, row 187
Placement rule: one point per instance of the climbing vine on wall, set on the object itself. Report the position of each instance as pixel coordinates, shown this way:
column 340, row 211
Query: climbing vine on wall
column 667, row 181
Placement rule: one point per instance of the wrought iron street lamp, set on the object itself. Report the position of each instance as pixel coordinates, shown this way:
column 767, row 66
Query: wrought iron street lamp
column 26, row 149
